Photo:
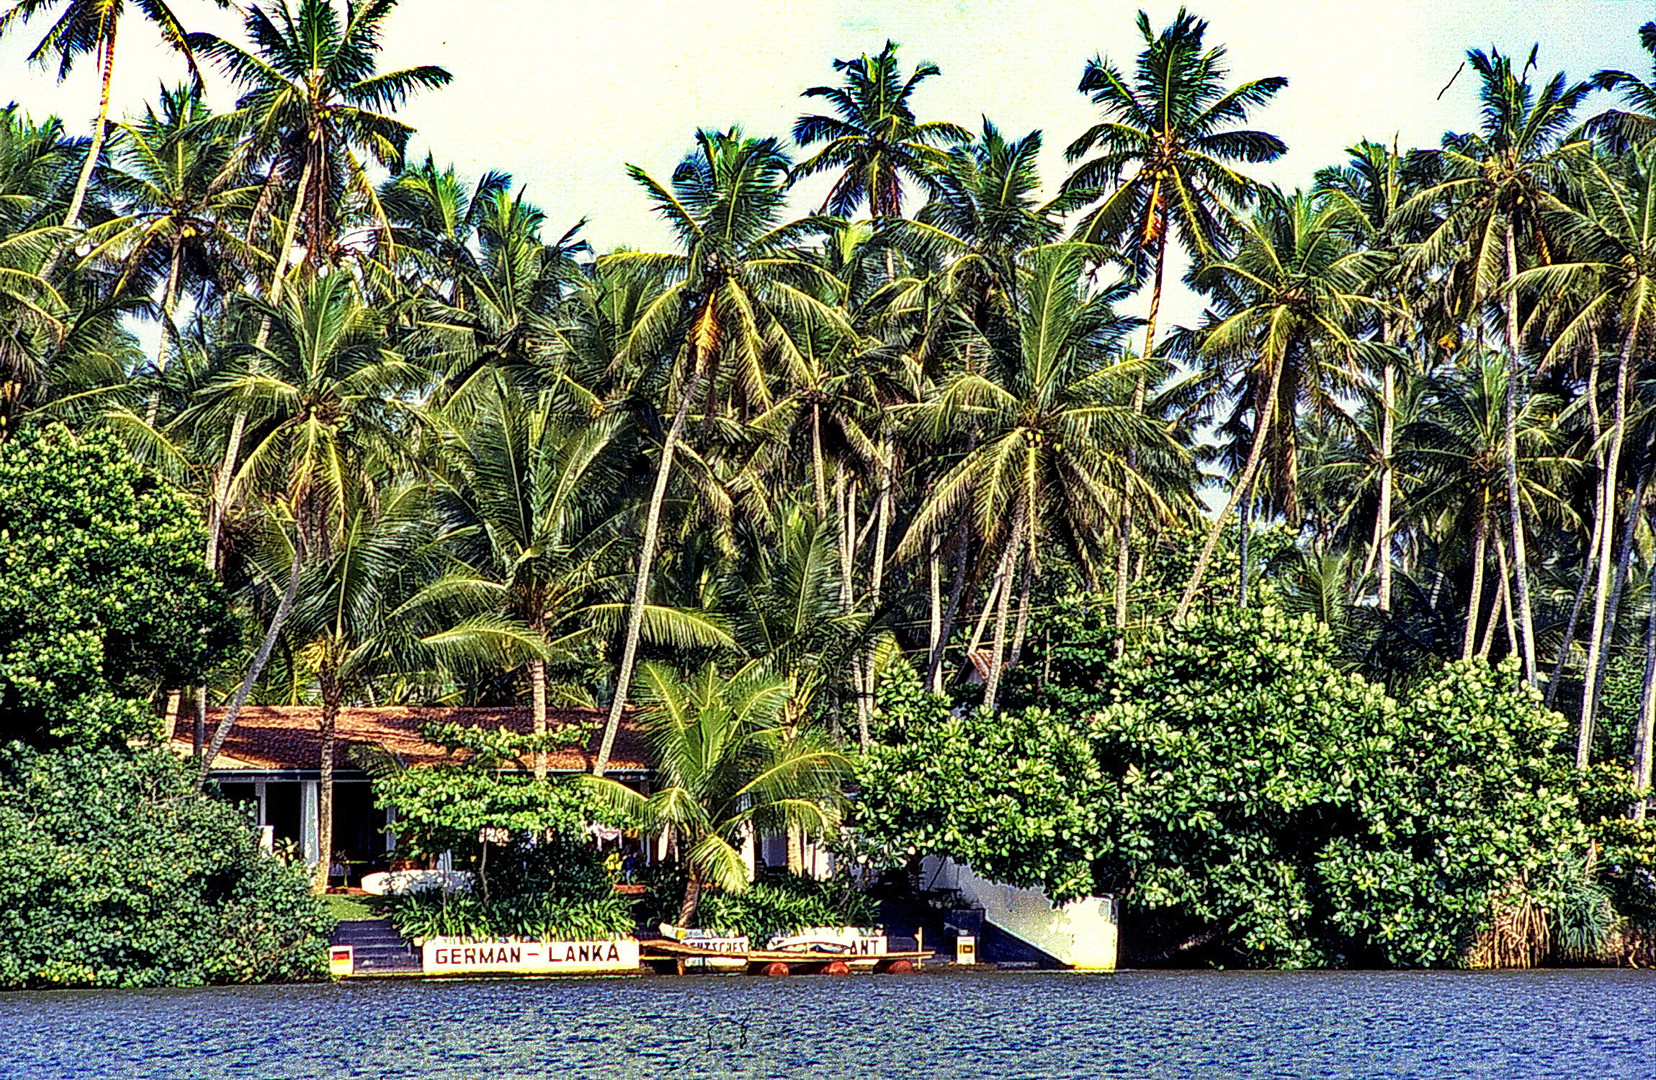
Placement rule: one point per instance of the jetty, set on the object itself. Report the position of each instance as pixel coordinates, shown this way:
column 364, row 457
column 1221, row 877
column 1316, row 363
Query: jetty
column 670, row 957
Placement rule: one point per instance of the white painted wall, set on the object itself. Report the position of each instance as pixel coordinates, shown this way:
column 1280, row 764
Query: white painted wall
column 1082, row 933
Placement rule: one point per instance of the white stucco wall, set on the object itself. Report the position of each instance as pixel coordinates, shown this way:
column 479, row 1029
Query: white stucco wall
column 1082, row 933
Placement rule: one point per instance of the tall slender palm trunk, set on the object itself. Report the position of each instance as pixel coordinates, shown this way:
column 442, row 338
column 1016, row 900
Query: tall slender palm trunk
column 1646, row 731
column 1602, row 595
column 1383, row 521
column 283, row 608
column 100, row 129
column 646, row 561
column 1262, row 430
column 1124, row 530
column 1474, row 600
column 1003, row 604
column 329, row 728
column 537, row 706
column 1589, row 564
column 169, row 306
column 1509, row 438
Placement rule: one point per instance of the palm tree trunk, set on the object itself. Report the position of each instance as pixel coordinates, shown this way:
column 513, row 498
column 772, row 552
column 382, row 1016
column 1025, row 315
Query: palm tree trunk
column 325, row 789
column 646, row 562
column 1383, row 520
column 1262, row 429
column 1603, row 612
column 934, row 600
column 1515, row 508
column 1502, row 607
column 865, row 704
column 1589, row 564
column 1647, row 706
column 1021, row 627
column 1474, row 600
column 957, row 588
column 169, row 303
column 1584, row 579
column 796, row 850
column 1003, row 603
column 232, row 449
column 537, row 703
column 818, row 477
column 692, row 899
column 260, row 659
column 1124, row 531
column 100, row 127
column 1242, row 516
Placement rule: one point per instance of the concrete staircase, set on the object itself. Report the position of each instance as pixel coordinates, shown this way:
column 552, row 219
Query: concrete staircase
column 377, row 947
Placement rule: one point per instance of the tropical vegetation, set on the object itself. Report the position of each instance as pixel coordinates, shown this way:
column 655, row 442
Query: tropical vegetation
column 430, row 447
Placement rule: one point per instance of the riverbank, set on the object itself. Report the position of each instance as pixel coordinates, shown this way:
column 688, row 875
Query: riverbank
column 1512, row 1025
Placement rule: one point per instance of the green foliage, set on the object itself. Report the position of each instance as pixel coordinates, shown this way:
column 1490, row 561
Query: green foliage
column 442, row 807
column 783, row 903
column 557, row 890
column 103, row 594
column 119, row 874
column 1238, row 784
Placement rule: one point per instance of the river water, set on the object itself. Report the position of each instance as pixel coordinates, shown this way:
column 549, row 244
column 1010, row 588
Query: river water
column 933, row 1024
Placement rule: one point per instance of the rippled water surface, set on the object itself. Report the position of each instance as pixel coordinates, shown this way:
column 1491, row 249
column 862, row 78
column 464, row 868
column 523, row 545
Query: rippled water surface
column 948, row 1024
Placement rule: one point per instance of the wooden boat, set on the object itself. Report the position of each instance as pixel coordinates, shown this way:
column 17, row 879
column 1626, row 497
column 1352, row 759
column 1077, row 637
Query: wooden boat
column 676, row 957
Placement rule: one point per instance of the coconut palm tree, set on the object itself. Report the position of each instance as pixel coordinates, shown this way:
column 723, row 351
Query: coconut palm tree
column 1496, row 191
column 1288, row 305
column 89, row 26
column 1165, row 151
column 534, row 503
column 1054, row 420
column 875, row 142
column 314, row 104
column 1608, row 289
column 1456, row 449
column 723, row 321
column 182, row 199
column 326, row 400
column 1635, row 124
column 728, row 766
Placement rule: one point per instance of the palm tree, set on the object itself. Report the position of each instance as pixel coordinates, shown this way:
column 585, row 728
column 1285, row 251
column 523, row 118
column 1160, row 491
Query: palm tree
column 728, row 766
column 534, row 505
column 314, row 103
column 875, row 142
column 368, row 611
column 1373, row 185
column 1456, row 449
column 1165, row 150
column 182, row 198
column 1634, row 125
column 1287, row 306
column 1495, row 190
column 1055, row 420
column 327, row 401
column 89, row 26
column 725, row 319
column 1609, row 288
column 35, row 160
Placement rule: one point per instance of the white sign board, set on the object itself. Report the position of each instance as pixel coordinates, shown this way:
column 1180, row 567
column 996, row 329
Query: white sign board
column 519, row 956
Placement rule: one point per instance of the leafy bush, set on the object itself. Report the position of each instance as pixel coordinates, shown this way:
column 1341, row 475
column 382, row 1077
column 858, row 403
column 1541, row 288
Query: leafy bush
column 1242, row 793
column 783, row 903
column 556, row 890
column 118, row 873
column 103, row 594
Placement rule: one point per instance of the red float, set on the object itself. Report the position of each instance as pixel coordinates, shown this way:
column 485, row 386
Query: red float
column 776, row 967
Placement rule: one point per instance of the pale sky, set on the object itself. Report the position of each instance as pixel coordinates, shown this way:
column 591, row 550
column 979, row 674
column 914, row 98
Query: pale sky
column 563, row 93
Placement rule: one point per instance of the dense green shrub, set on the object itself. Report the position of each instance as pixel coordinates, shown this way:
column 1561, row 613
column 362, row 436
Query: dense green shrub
column 783, row 903
column 556, row 890
column 114, row 871
column 103, row 593
column 1242, row 793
